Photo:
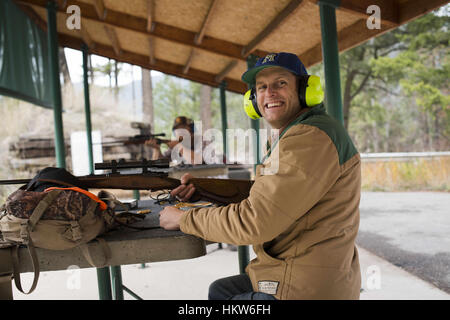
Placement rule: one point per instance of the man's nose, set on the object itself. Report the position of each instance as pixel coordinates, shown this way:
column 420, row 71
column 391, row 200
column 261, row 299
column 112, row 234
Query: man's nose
column 271, row 89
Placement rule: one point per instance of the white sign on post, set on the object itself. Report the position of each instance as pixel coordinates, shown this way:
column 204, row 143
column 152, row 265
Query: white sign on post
column 79, row 152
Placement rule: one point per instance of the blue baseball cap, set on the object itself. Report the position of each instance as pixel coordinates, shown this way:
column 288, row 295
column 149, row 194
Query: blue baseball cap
column 288, row 61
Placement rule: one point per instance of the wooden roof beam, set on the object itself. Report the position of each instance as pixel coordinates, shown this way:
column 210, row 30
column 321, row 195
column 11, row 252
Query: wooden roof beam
column 163, row 31
column 159, row 65
column 150, row 28
column 62, row 3
column 188, row 62
column 351, row 36
column 225, row 71
column 358, row 33
column 86, row 37
column 111, row 33
column 150, row 15
column 132, row 58
column 416, row 8
column 100, row 9
column 151, row 53
column 199, row 36
column 388, row 9
column 271, row 27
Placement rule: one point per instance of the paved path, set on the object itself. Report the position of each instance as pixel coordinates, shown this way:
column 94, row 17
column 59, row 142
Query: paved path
column 410, row 230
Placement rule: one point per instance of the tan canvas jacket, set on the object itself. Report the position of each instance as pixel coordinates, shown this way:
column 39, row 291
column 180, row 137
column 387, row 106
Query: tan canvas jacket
column 303, row 219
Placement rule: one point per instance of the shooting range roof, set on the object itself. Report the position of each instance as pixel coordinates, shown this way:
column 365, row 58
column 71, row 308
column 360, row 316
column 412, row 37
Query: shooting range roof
column 208, row 41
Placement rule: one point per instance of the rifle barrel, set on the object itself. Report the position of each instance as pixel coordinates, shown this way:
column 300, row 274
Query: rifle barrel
column 14, row 181
column 159, row 163
column 137, row 139
column 131, row 141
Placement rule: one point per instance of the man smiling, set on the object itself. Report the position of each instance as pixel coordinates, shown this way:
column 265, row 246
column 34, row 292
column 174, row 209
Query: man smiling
column 277, row 94
column 302, row 220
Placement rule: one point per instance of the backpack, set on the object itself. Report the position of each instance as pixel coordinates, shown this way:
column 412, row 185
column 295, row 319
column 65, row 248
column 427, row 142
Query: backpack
column 53, row 211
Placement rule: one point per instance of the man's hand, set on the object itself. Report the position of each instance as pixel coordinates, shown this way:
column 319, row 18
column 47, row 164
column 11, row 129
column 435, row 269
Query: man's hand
column 169, row 218
column 185, row 191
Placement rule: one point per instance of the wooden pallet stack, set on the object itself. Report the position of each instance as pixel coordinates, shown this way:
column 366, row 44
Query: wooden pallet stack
column 31, row 153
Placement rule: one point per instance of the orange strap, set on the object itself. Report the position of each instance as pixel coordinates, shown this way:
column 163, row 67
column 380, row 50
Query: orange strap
column 102, row 205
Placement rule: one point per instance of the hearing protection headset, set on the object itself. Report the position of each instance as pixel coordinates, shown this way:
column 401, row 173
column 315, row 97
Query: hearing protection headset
column 310, row 94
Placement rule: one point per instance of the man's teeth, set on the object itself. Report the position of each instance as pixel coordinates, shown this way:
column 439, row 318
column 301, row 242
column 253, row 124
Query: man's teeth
column 271, row 105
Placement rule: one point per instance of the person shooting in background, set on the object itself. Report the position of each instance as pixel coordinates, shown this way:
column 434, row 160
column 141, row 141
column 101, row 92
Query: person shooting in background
column 183, row 147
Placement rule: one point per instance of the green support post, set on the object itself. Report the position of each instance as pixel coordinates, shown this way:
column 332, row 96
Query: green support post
column 137, row 196
column 244, row 258
column 87, row 108
column 116, row 276
column 55, row 85
column 103, row 274
column 224, row 118
column 255, row 126
column 223, row 113
column 104, row 283
column 243, row 251
column 330, row 54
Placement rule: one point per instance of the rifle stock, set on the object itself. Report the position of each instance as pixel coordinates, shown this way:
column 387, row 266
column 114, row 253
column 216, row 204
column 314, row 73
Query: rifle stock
column 221, row 191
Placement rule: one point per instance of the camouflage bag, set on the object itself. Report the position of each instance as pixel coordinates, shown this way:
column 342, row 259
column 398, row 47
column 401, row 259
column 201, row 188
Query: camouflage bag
column 57, row 218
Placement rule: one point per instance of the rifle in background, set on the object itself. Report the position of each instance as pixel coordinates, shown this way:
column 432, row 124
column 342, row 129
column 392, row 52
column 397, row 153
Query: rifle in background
column 136, row 139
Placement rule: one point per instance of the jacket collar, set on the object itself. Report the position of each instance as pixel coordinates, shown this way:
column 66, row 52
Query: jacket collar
column 317, row 110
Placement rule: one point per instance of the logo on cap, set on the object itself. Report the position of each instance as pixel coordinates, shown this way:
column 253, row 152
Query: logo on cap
column 269, row 58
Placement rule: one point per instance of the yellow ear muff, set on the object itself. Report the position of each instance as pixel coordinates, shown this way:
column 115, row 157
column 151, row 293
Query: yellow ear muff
column 314, row 93
column 250, row 105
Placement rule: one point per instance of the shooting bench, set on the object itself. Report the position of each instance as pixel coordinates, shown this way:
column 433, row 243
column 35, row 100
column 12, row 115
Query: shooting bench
column 127, row 246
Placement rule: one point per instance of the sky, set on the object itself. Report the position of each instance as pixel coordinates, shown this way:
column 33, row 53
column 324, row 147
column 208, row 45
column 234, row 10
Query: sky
column 75, row 63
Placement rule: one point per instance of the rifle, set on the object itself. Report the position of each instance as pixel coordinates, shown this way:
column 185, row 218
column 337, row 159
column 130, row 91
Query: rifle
column 155, row 177
column 137, row 139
